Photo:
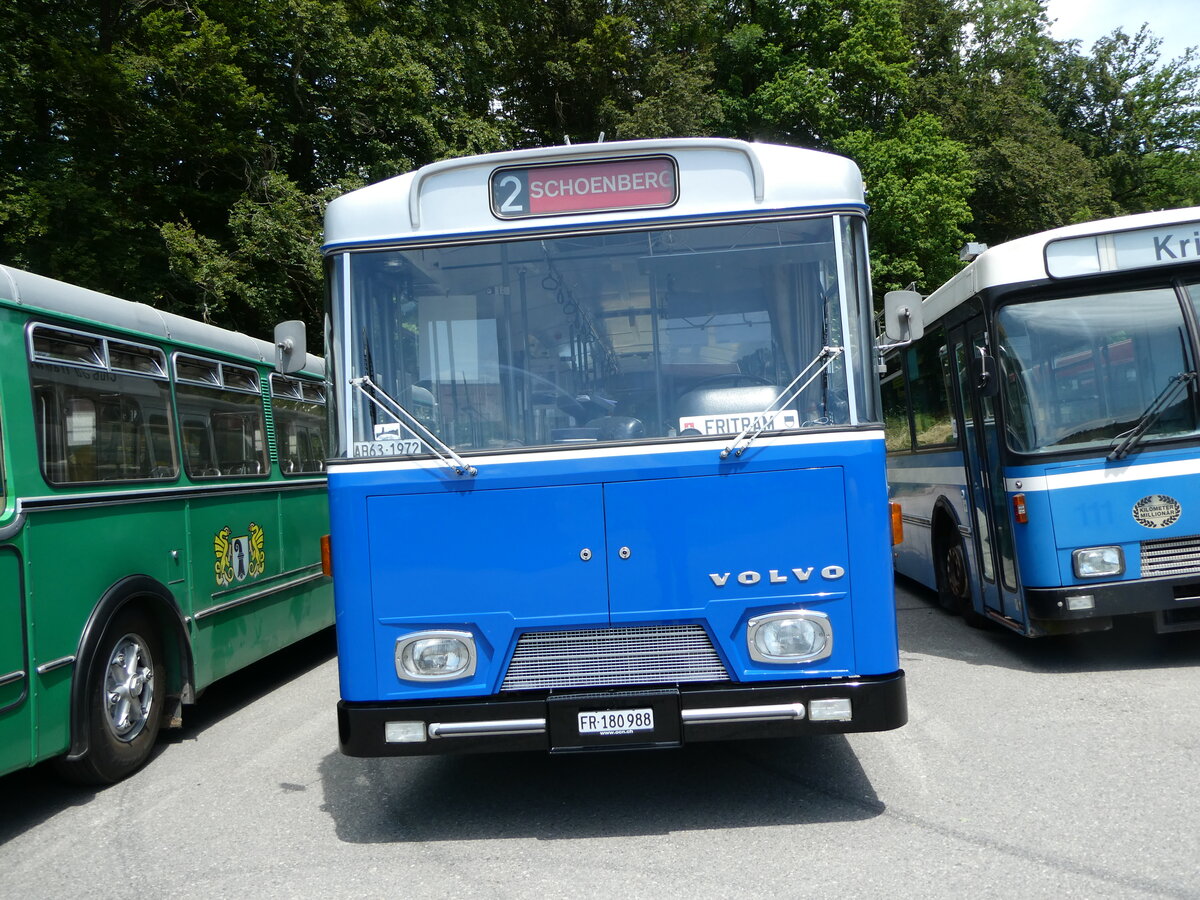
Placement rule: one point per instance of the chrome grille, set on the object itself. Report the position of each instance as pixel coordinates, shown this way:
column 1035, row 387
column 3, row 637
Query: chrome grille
column 601, row 657
column 1171, row 556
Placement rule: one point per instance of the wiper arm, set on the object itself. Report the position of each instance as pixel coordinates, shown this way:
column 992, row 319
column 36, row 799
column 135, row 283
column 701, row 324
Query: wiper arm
column 405, row 419
column 791, row 392
column 1156, row 408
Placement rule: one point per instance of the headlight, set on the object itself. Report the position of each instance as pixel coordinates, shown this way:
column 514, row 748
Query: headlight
column 435, row 655
column 790, row 637
column 1095, row 562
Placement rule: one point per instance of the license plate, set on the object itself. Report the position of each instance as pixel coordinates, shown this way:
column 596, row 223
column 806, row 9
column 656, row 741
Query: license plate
column 399, row 447
column 616, row 721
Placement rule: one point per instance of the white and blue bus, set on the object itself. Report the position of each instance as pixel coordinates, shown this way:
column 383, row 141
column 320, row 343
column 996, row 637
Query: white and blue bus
column 609, row 464
column 1043, row 433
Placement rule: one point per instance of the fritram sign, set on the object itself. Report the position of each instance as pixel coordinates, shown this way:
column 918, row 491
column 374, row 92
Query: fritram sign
column 1120, row 250
column 645, row 182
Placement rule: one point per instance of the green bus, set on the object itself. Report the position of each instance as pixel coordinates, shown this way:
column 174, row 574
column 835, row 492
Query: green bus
column 162, row 505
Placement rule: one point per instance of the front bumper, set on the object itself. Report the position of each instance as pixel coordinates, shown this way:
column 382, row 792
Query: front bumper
column 687, row 714
column 1114, row 598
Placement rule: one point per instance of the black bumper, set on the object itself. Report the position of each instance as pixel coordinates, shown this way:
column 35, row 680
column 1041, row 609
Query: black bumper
column 1117, row 598
column 687, row 714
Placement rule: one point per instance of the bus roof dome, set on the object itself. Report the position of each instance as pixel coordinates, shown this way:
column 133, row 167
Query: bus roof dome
column 456, row 196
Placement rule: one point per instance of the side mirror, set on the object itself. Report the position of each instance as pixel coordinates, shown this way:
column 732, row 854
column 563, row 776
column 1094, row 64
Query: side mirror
column 290, row 350
column 902, row 316
column 984, row 373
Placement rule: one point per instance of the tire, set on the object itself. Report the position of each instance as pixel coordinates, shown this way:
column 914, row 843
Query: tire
column 123, row 698
column 954, row 584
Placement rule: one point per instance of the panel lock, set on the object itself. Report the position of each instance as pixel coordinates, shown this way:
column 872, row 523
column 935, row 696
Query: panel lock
column 585, row 554
column 624, row 553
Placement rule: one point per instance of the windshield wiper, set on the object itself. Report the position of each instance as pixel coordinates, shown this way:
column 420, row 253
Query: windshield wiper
column 791, row 392
column 1157, row 407
column 399, row 414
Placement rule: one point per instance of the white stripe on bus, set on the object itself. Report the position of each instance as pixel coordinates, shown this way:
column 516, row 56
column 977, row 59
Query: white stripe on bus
column 1094, row 477
column 535, row 456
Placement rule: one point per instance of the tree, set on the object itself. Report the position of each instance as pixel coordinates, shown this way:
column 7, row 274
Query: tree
column 161, row 151
column 623, row 68
column 119, row 120
column 806, row 74
column 918, row 184
column 1136, row 117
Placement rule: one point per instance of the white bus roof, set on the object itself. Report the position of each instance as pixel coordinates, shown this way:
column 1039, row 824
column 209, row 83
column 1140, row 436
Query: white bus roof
column 716, row 175
column 1123, row 243
column 36, row 292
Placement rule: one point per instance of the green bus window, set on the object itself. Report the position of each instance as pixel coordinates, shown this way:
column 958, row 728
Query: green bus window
column 111, row 425
column 927, row 386
column 300, row 424
column 224, row 433
column 894, row 393
column 221, row 411
column 199, row 456
column 55, row 345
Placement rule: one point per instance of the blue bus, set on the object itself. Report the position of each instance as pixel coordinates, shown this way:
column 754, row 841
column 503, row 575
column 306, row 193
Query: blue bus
column 1043, row 432
column 608, row 460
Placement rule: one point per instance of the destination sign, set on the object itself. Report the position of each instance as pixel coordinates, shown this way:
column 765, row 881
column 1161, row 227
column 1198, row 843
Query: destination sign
column 1121, row 250
column 644, row 182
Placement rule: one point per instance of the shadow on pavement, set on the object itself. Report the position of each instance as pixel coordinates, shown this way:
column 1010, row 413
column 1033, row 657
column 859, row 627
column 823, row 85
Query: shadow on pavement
column 31, row 796
column 702, row 786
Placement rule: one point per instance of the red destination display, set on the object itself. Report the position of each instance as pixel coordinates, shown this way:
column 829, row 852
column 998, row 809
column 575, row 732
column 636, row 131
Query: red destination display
column 648, row 182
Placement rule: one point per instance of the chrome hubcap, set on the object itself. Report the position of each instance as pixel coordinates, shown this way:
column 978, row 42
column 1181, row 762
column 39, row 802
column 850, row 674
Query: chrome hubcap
column 129, row 687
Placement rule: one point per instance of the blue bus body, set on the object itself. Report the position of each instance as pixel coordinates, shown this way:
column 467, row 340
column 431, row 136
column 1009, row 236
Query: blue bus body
column 531, row 576
column 1066, row 490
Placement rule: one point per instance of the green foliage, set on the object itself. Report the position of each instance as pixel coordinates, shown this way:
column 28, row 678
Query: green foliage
column 806, row 74
column 918, row 184
column 623, row 68
column 273, row 270
column 1136, row 116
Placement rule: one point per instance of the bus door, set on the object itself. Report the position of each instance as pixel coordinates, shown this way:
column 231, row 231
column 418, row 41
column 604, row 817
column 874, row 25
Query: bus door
column 995, row 569
column 15, row 747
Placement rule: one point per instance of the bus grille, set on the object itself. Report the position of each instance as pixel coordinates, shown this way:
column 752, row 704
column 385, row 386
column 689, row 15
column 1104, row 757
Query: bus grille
column 601, row 657
column 1171, row 556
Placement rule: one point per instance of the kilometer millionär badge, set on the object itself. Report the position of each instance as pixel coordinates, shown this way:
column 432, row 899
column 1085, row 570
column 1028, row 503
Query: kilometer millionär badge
column 1157, row 511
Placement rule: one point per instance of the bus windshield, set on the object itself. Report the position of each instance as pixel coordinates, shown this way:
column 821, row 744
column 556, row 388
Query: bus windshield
column 1080, row 372
column 603, row 336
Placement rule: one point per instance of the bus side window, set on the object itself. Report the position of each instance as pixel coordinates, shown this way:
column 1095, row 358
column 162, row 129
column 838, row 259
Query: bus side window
column 80, row 434
column 224, row 431
column 198, row 456
column 114, row 440
column 239, row 442
column 933, row 420
column 300, row 423
column 51, row 434
column 894, row 392
column 87, row 435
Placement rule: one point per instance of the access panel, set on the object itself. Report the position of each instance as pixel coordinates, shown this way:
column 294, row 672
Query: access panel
column 533, row 556
column 679, row 546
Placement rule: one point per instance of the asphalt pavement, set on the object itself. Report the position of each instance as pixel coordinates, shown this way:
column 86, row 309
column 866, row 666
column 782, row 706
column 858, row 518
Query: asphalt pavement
column 1061, row 767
